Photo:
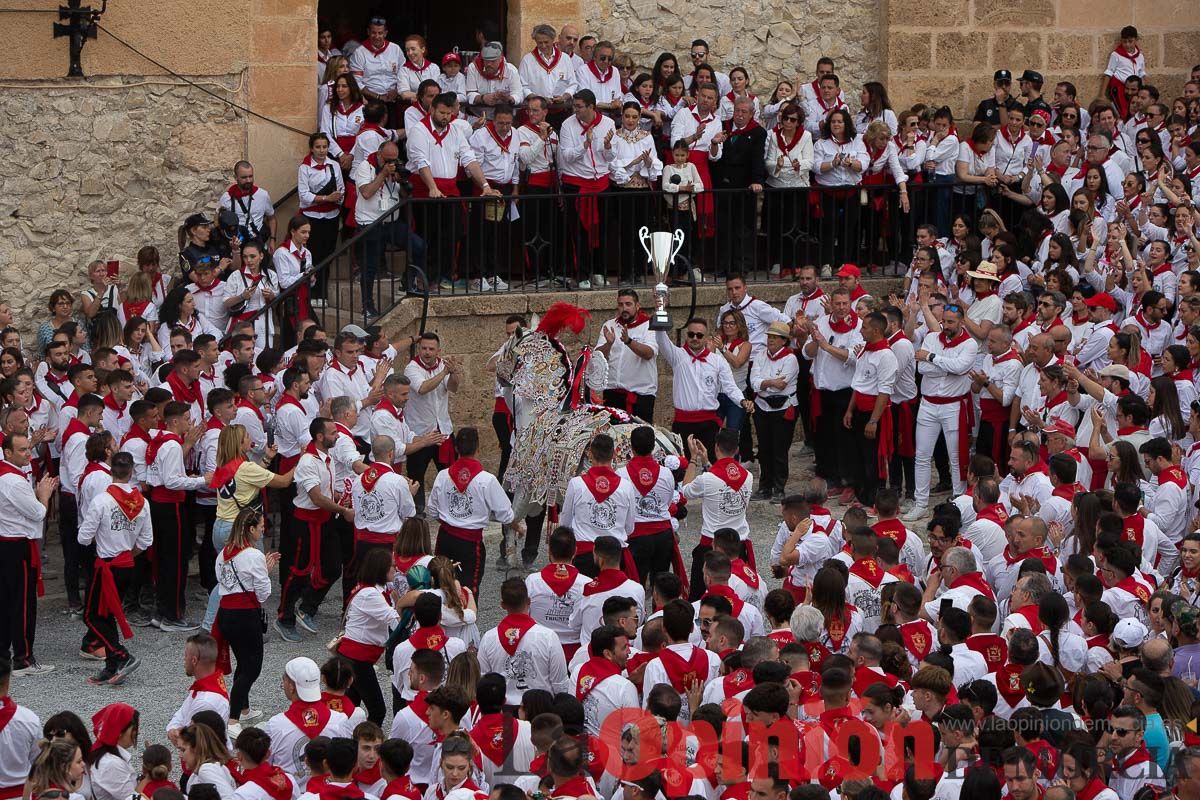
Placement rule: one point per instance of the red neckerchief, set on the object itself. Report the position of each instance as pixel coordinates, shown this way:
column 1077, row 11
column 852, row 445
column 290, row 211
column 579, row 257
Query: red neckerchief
column 837, row 627
column 402, row 787
column 432, row 638
column 601, row 481
column 1025, row 323
column 837, row 103
column 643, row 473
column 785, row 352
column 980, row 295
column 257, row 411
column 494, row 735
column 603, row 78
column 537, row 55
column 683, row 672
column 732, row 131
column 1134, row 529
column 1008, row 683
column 134, row 308
column 1030, row 613
column 387, row 405
column 1142, row 321
column 1057, row 399
column 287, row 399
column 130, row 501
column 976, row 581
column 409, row 65
column 438, row 138
column 893, row 529
column 347, row 792
column 951, row 343
column 702, row 356
column 111, row 403
column 1011, row 355
column 498, row 76
column 1008, row 137
column 1067, row 491
column 182, row 392
column 504, row 143
column 1095, row 786
column 271, row 779
column 559, row 577
column 743, row 571
column 373, row 473
column 895, row 337
column 308, row 162
column 605, row 581
column 594, row 671
column 917, row 638
column 1040, row 553
column 136, row 432
column 236, row 192
column 214, row 682
column 513, row 628
column 1173, row 474
column 346, row 111
column 1134, row 587
column 156, row 444
column 310, row 718
column 868, row 569
column 875, row 347
column 738, row 681
column 8, row 707
column 729, row 594
column 843, row 325
column 730, row 471
column 463, row 471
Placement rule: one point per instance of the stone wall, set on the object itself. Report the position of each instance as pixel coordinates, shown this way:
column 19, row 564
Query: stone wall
column 472, row 328
column 774, row 39
column 98, row 168
column 947, row 50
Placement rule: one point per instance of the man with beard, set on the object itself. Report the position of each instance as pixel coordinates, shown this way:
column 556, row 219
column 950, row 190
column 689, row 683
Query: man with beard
column 631, row 349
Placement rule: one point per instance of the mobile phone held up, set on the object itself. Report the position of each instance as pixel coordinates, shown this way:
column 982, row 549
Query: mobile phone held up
column 112, row 268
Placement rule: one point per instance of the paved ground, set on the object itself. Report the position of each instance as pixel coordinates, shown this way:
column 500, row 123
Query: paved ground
column 158, row 687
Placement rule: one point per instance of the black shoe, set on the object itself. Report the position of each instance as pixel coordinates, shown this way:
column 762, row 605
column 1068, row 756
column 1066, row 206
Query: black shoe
column 942, row 486
column 102, row 678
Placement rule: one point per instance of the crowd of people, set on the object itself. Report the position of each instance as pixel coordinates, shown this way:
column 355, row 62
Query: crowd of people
column 1033, row 634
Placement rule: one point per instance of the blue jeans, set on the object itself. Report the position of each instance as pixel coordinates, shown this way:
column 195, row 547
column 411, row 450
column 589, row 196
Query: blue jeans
column 221, row 530
column 733, row 414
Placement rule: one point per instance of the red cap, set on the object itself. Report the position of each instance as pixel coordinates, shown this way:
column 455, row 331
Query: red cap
column 1043, row 113
column 1102, row 300
column 1061, row 426
column 451, row 56
column 849, row 271
column 110, row 722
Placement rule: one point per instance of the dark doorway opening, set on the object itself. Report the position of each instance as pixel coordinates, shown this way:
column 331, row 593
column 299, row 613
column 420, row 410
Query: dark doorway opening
column 446, row 26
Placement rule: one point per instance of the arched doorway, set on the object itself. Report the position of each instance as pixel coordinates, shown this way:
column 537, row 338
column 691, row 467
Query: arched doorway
column 445, row 26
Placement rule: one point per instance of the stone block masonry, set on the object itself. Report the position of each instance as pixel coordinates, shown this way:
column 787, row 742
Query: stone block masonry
column 96, row 170
column 472, row 328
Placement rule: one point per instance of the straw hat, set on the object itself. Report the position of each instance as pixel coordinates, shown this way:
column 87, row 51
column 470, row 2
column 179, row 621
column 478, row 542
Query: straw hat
column 985, row 271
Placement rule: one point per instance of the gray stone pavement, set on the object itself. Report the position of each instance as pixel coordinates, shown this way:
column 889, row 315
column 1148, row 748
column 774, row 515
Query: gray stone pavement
column 157, row 688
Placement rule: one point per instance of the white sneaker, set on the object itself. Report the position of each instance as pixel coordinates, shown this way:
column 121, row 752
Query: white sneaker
column 585, row 284
column 250, row 715
column 774, row 271
column 599, row 280
column 826, row 271
column 482, row 285
column 34, row 668
column 499, row 285
column 915, row 513
column 317, row 302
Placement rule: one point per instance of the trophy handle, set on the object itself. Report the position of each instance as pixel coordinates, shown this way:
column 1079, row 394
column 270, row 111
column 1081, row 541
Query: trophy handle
column 678, row 236
column 643, row 237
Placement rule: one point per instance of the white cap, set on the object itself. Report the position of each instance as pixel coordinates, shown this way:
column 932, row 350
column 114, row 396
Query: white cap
column 1130, row 633
column 307, row 677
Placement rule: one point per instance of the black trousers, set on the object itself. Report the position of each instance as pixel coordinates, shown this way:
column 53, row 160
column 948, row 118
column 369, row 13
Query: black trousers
column 653, row 554
column 439, row 224
column 586, row 564
column 173, row 538
column 831, row 440
column 104, row 629
column 242, row 629
column 504, row 439
column 587, row 259
column 865, row 459
column 489, row 241
column 208, row 554
column 642, row 406
column 986, row 443
column 541, row 232
column 310, row 568
column 18, row 600
column 321, row 243
column 365, row 690
column 287, row 539
column 696, row 580
column 417, row 464
column 706, row 432
column 337, row 551
column 631, row 209
column 736, row 234
column 775, row 432
column 68, row 534
column 533, row 538
column 469, row 555
column 786, row 213
column 839, row 227
column 803, row 389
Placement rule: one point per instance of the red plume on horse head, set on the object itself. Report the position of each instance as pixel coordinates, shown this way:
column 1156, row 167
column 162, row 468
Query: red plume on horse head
column 563, row 315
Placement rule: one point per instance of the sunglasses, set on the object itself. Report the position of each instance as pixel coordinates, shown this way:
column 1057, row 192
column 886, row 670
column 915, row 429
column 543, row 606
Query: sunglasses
column 455, row 746
column 791, row 118
column 699, row 55
column 694, row 335
column 1123, row 731
column 952, row 307
column 378, row 21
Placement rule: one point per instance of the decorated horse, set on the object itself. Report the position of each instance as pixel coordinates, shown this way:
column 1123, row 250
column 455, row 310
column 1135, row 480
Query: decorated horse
column 554, row 419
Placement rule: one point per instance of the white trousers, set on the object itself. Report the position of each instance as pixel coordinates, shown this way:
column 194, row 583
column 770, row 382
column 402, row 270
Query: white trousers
column 931, row 420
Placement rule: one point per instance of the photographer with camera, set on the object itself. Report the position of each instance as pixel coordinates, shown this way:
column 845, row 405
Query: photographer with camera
column 377, row 180
column 252, row 205
column 197, row 246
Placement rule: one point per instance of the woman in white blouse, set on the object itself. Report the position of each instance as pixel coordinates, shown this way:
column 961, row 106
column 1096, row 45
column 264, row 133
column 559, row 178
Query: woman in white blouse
column 876, row 107
column 883, row 171
column 291, row 260
column 321, row 188
column 739, row 80
column 370, row 615
column 179, row 311
column 840, row 158
column 633, row 166
column 250, row 288
column 975, row 169
column 111, row 775
column 789, row 162
column 203, row 754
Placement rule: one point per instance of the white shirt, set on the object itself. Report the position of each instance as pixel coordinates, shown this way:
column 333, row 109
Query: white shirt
column 402, row 662
column 413, row 729
column 291, row 428
column 591, row 518
column 697, row 379
column 824, row 151
column 196, row 701
column 814, row 549
column 656, row 673
column 549, row 77
column 259, row 206
column 551, row 609
column 627, row 149
column 167, row 469
column 291, row 261
column 626, row 369
column 411, row 76
column 759, row 315
column 588, row 614
column 369, row 209
column 19, row 747
column 377, row 72
column 387, row 421
column 536, row 663
column 537, row 156
column 112, row 778
column 688, row 121
column 340, row 381
column 579, row 159
column 430, row 411
column 217, row 775
column 507, row 79
column 442, row 152
column 798, row 159
column 288, row 741
column 497, row 155
column 829, row 372
column 721, row 505
column 105, row 523
column 385, row 508
column 766, row 367
column 606, row 86
column 311, row 178
column 313, row 472
column 605, row 698
column 947, row 375
column 369, row 617
column 471, row 509
column 248, row 564
column 1012, row 157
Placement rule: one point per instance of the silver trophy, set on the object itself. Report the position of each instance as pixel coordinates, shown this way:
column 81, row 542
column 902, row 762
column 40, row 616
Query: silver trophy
column 661, row 256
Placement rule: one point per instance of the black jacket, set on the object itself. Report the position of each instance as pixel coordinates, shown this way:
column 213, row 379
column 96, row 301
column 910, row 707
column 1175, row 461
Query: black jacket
column 741, row 162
